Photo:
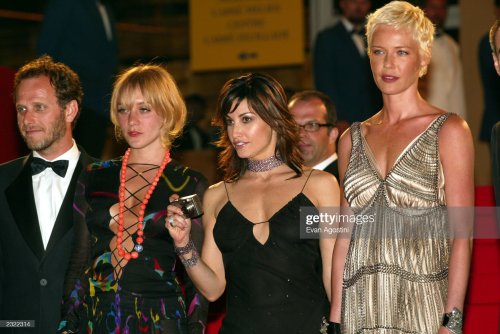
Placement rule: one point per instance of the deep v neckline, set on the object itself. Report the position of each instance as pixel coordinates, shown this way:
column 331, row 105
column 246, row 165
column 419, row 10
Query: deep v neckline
column 272, row 216
column 371, row 157
column 252, row 225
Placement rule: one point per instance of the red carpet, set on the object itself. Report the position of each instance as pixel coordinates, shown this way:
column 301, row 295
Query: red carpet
column 482, row 308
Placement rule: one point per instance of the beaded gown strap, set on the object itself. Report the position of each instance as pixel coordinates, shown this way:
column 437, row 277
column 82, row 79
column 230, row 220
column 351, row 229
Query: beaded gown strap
column 305, row 183
column 440, row 120
column 355, row 134
column 356, row 140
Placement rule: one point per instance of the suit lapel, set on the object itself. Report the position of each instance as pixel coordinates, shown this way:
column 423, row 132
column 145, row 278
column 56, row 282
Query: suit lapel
column 22, row 205
column 65, row 221
column 93, row 12
column 350, row 44
column 333, row 168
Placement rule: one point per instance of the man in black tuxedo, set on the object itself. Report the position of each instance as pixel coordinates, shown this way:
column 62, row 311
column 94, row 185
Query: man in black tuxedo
column 490, row 81
column 36, row 196
column 315, row 114
column 342, row 68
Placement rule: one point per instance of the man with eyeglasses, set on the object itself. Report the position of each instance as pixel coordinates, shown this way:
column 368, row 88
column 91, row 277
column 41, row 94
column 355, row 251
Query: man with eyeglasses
column 315, row 114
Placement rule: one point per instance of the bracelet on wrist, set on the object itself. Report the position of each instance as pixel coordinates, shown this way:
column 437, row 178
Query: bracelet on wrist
column 186, row 249
column 329, row 327
column 453, row 321
column 192, row 261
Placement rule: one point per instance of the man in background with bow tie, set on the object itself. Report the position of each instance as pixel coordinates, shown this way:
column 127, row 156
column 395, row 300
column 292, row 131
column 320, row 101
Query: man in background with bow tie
column 36, row 197
column 443, row 85
column 342, row 68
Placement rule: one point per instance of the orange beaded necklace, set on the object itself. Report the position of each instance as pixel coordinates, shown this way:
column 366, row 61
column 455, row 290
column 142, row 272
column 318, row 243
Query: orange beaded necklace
column 140, row 220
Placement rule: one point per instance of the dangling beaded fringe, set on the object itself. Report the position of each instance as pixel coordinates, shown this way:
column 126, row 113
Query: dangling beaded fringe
column 140, row 220
column 264, row 165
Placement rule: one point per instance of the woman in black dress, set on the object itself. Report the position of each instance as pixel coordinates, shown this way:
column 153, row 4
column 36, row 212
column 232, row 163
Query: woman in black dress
column 275, row 281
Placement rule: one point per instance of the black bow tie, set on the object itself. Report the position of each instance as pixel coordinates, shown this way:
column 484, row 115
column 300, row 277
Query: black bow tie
column 59, row 166
column 359, row 32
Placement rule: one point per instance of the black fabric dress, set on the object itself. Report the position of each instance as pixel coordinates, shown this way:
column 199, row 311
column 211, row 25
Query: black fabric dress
column 275, row 287
column 143, row 295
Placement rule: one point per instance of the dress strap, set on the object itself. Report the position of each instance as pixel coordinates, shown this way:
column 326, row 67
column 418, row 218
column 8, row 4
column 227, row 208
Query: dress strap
column 308, row 176
column 227, row 192
column 438, row 122
column 356, row 135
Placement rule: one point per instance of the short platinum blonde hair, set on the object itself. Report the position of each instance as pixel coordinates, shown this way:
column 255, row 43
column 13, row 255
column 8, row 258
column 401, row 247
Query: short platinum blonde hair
column 403, row 15
column 493, row 32
column 159, row 89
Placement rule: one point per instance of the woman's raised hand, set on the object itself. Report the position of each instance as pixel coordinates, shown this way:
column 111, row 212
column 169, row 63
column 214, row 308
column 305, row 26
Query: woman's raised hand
column 177, row 224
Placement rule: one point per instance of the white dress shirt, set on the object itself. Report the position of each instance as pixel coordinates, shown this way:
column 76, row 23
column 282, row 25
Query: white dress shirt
column 49, row 190
column 444, row 84
column 357, row 39
column 105, row 19
column 322, row 165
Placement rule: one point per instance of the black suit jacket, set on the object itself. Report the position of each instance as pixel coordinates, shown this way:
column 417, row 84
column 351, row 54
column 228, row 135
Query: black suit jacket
column 73, row 33
column 31, row 278
column 333, row 168
column 491, row 89
column 344, row 75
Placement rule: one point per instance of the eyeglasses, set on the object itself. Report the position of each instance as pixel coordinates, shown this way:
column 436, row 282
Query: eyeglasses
column 313, row 126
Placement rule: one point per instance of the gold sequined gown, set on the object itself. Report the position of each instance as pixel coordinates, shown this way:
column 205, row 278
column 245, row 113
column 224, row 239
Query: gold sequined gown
column 396, row 271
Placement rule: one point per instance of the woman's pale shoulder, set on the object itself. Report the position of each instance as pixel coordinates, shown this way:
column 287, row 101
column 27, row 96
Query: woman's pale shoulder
column 217, row 187
column 322, row 188
column 346, row 134
column 321, row 178
column 216, row 190
column 345, row 140
column 454, row 124
column 214, row 199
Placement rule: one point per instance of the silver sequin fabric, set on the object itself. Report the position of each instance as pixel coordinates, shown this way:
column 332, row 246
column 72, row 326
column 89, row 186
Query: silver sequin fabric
column 396, row 271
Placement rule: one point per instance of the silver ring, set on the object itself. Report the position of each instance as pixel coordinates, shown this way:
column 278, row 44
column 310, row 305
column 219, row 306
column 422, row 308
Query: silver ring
column 171, row 221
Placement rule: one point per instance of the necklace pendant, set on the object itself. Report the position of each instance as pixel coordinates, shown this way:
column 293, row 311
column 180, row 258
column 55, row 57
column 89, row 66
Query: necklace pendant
column 138, row 248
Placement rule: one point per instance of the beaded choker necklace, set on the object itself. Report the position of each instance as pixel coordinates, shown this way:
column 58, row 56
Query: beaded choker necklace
column 140, row 219
column 264, row 165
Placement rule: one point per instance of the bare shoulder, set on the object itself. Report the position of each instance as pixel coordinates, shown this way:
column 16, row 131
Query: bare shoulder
column 455, row 128
column 345, row 141
column 346, row 133
column 455, row 140
column 215, row 197
column 319, row 177
column 455, row 123
column 322, row 188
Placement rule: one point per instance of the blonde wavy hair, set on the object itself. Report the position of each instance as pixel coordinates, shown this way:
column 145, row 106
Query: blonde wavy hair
column 403, row 15
column 159, row 89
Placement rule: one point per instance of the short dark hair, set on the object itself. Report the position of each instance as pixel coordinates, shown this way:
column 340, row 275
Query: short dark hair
column 493, row 32
column 307, row 95
column 266, row 97
column 65, row 81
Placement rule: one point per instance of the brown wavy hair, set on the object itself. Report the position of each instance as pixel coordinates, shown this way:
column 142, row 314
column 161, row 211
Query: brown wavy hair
column 266, row 97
